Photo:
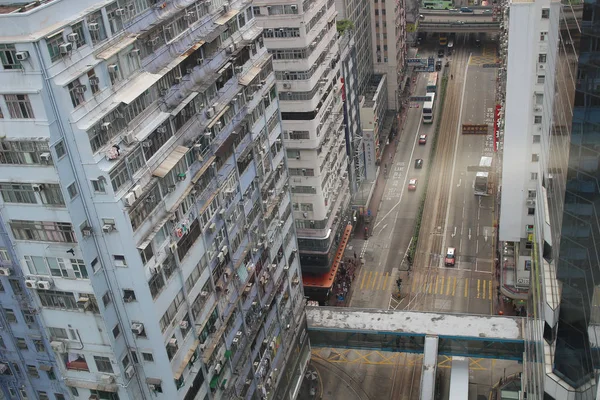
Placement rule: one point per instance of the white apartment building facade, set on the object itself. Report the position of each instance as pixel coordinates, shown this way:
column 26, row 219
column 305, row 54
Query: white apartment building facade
column 304, row 43
column 528, row 109
column 144, row 188
column 388, row 24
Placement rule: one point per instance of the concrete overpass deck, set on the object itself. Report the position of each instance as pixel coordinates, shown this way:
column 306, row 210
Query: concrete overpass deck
column 405, row 331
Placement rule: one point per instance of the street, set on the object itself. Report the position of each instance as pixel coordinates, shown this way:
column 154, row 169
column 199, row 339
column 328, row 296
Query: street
column 452, row 217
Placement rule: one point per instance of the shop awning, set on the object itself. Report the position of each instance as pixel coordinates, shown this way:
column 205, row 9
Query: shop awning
column 153, row 381
column 217, row 117
column 249, row 77
column 202, row 170
column 166, row 166
column 226, row 17
column 186, row 359
column 92, row 385
column 116, row 47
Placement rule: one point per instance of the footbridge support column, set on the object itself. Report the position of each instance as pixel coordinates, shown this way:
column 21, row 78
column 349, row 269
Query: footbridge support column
column 430, row 356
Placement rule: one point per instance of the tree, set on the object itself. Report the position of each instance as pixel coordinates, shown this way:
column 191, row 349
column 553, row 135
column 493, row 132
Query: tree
column 343, row 25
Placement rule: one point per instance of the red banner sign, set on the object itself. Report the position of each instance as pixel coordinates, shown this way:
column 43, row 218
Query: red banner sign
column 496, row 118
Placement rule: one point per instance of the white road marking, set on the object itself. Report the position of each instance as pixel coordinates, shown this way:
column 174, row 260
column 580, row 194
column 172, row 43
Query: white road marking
column 459, row 246
column 459, row 182
column 405, row 178
column 458, row 129
column 454, row 234
column 477, row 248
column 485, row 234
column 392, row 230
column 469, row 233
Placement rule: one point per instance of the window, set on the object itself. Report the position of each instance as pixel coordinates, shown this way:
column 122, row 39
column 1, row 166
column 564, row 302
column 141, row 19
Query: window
column 536, row 138
column 39, row 345
column 539, row 99
column 128, row 295
column 58, row 299
column 18, row 193
column 156, row 283
column 543, row 36
column 42, row 395
column 148, row 357
column 96, row 27
column 78, row 29
column 146, row 254
column 60, row 149
column 52, row 195
column 541, row 79
column 530, row 211
column 72, row 190
column 542, row 58
column 76, row 90
column 545, row 13
column 74, row 391
column 44, row 231
column 79, row 268
column 53, row 43
column 531, row 193
column 57, row 396
column 57, row 267
column 37, row 265
column 106, row 299
column 19, row 106
column 99, row 186
column 33, row 372
column 24, row 152
column 125, row 362
column 10, row 315
column 535, row 157
column 8, row 57
column 537, row 119
column 16, row 287
column 4, row 256
column 116, row 331
column 21, row 343
column 58, row 333
column 103, row 364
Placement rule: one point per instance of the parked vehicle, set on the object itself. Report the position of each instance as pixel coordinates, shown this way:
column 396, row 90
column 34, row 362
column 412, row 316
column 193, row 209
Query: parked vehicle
column 466, row 10
column 450, row 258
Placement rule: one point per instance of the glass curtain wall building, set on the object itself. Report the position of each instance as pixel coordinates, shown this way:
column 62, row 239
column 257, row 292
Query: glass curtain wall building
column 564, row 306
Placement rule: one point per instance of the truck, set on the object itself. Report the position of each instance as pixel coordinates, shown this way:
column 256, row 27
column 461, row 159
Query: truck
column 482, row 178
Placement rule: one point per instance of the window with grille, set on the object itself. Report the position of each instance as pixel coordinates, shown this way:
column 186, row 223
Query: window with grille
column 76, row 90
column 53, row 43
column 44, row 231
column 78, row 29
column 19, row 106
column 103, row 364
column 18, row 193
column 8, row 57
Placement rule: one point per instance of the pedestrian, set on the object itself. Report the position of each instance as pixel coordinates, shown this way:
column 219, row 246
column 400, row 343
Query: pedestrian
column 355, row 255
column 451, row 76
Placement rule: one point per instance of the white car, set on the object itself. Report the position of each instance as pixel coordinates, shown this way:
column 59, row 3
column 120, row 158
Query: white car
column 412, row 184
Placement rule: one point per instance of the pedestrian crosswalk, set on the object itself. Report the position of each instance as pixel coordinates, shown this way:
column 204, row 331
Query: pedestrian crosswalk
column 430, row 284
column 488, row 56
column 374, row 280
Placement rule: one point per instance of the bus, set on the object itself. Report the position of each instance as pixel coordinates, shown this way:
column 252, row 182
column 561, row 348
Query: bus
column 429, row 109
column 482, row 178
column 443, row 39
column 432, row 81
column 438, row 4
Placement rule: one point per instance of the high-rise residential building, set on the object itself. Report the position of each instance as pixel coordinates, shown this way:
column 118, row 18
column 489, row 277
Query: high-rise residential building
column 303, row 41
column 388, row 25
column 527, row 118
column 144, row 190
column 359, row 14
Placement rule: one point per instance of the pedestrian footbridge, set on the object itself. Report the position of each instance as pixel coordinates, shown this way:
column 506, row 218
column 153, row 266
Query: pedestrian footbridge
column 463, row 335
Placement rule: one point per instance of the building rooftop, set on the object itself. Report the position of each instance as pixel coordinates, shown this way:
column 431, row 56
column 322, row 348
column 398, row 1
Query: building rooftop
column 20, row 7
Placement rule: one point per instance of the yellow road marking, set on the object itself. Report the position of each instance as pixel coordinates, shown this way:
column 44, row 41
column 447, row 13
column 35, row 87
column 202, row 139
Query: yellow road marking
column 430, row 287
column 448, row 286
column 364, row 275
column 437, row 280
column 454, row 287
column 385, row 281
column 379, row 285
column 490, row 290
column 466, row 287
column 415, row 279
column 478, row 288
column 483, row 291
column 374, row 280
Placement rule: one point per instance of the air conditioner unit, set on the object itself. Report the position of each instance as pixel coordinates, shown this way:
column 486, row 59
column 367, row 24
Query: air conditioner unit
column 72, row 37
column 172, row 342
column 83, row 301
column 137, row 189
column 152, row 387
column 129, row 372
column 226, row 7
column 93, row 27
column 173, row 247
column 22, row 55
column 295, row 281
column 287, row 86
column 230, row 49
column 87, row 231
column 294, row 7
column 45, row 157
column 161, row 129
column 65, row 48
column 225, row 250
column 105, row 126
column 5, row 271
column 134, row 53
column 58, row 346
column 184, row 324
column 218, row 368
column 212, row 227
column 204, row 294
column 129, row 199
column 178, row 79
column 107, row 228
column 210, row 112
column 37, row 187
column 94, row 80
column 221, row 257
column 80, row 89
column 199, row 60
column 137, row 328
column 286, row 268
column 107, row 379
column 236, row 341
column 30, row 283
column 153, row 41
column 44, row 285
column 120, row 12
column 113, row 68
